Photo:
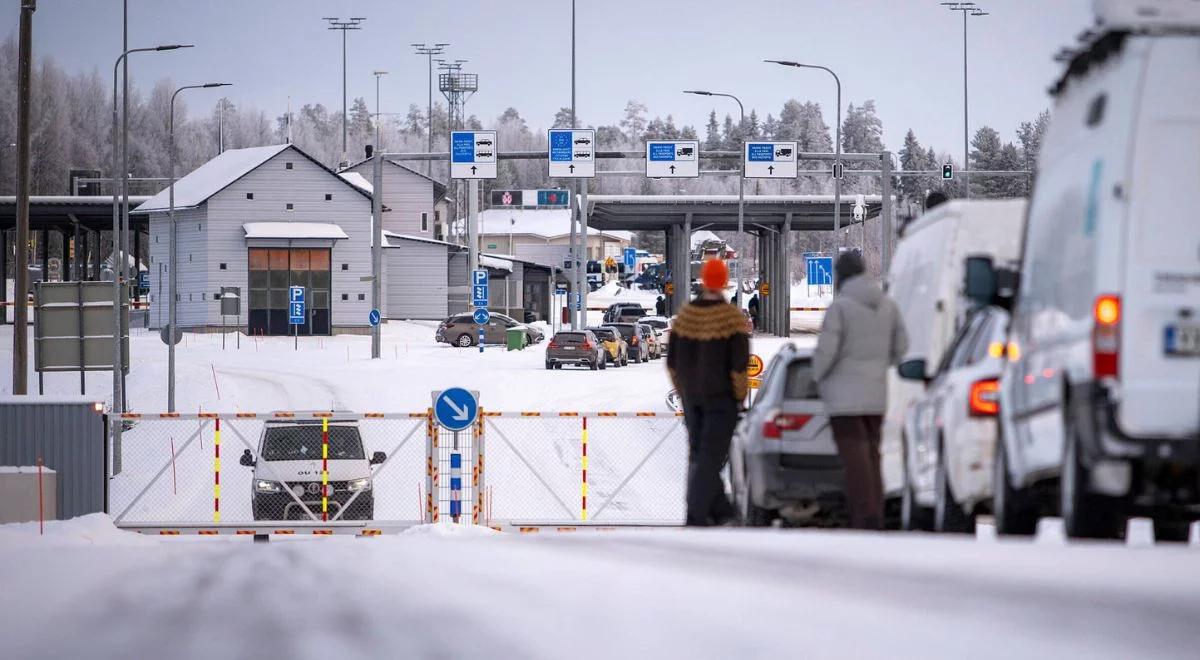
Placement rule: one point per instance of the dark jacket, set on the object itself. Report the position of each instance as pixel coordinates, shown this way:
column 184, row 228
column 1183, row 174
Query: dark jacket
column 709, row 351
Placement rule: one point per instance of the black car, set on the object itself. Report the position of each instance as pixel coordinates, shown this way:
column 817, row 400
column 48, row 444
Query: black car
column 623, row 313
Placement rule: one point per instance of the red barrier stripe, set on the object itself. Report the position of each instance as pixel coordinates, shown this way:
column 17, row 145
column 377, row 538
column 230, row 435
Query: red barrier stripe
column 168, row 415
column 246, row 415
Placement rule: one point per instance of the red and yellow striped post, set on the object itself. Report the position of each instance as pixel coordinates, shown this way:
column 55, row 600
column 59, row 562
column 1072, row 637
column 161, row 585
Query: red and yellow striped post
column 324, row 468
column 217, row 473
column 583, row 464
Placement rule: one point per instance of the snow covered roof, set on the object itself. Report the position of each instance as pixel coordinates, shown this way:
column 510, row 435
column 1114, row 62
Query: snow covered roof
column 701, row 236
column 357, row 180
column 543, row 223
column 214, row 176
column 387, row 235
column 495, row 262
column 323, row 230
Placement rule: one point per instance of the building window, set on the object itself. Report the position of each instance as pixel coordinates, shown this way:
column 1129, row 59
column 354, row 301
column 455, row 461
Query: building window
column 189, row 300
column 189, row 259
column 289, row 206
column 287, row 166
column 362, row 296
column 155, row 240
column 329, row 197
column 216, row 296
column 199, row 227
column 424, row 222
column 344, row 267
column 345, row 296
column 223, row 266
column 249, row 195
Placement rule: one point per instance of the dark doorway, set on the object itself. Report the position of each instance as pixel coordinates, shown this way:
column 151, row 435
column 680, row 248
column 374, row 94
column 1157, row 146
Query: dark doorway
column 272, row 272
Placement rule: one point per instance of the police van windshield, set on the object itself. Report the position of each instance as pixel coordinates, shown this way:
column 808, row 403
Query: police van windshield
column 302, row 443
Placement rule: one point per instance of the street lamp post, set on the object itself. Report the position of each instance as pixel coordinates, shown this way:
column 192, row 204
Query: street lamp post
column 345, row 25
column 837, row 181
column 737, row 265
column 172, row 302
column 378, row 75
column 118, row 253
column 966, row 9
column 429, row 51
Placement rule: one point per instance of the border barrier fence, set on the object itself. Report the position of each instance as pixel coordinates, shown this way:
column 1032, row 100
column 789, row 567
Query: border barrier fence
column 332, row 472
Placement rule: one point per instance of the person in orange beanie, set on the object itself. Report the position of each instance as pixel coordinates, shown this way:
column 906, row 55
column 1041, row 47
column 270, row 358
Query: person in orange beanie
column 707, row 357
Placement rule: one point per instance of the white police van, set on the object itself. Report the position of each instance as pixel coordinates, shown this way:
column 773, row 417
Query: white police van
column 1100, row 396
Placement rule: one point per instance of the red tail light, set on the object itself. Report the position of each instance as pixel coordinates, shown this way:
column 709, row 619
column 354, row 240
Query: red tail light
column 775, row 426
column 984, row 400
column 587, row 346
column 552, row 344
column 1106, row 336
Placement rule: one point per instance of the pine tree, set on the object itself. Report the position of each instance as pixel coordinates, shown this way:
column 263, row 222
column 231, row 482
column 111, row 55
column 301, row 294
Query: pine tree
column 634, row 122
column 985, row 155
column 712, row 135
column 563, row 119
column 912, row 158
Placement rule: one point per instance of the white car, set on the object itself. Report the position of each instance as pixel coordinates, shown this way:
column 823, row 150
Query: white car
column 1100, row 399
column 951, row 428
column 287, row 482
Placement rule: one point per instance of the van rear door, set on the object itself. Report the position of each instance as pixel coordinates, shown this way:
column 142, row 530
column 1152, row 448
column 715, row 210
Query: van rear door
column 1159, row 368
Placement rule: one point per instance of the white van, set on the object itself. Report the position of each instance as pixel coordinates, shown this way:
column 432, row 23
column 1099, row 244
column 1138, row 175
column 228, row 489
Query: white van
column 1100, row 398
column 925, row 279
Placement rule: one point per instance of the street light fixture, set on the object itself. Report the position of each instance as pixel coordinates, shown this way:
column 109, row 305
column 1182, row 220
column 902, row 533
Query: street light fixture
column 345, row 25
column 172, row 302
column 737, row 265
column 837, row 164
column 966, row 9
column 119, row 241
column 429, row 51
column 378, row 75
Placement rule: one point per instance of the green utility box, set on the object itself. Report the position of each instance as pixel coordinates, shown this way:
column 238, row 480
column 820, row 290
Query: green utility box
column 514, row 339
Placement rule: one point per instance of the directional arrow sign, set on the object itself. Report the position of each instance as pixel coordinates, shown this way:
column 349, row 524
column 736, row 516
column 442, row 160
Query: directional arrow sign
column 673, row 159
column 770, row 160
column 572, row 153
column 455, row 409
column 473, row 154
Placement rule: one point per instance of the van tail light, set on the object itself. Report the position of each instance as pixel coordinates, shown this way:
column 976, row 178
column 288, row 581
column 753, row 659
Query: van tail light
column 1106, row 336
column 984, row 400
column 774, row 427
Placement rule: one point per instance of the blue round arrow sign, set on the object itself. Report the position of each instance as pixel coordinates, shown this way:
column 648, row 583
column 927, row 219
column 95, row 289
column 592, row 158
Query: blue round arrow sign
column 481, row 316
column 455, row 409
column 373, row 317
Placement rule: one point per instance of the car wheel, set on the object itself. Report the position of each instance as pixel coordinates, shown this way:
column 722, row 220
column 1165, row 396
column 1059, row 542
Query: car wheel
column 603, row 364
column 592, row 366
column 1012, row 509
column 548, row 365
column 625, row 361
column 913, row 516
column 1084, row 514
column 558, row 366
column 752, row 514
column 464, row 341
column 948, row 516
column 1171, row 531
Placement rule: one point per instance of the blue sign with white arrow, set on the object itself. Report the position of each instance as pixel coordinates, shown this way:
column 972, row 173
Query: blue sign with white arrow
column 373, row 317
column 296, row 305
column 630, row 258
column 819, row 271
column 455, row 409
column 481, row 316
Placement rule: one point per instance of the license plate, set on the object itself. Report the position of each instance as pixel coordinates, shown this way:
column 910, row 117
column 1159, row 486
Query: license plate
column 568, row 348
column 1182, row 340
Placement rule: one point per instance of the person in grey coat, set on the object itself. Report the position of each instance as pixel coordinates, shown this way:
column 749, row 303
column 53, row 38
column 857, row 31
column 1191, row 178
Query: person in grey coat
column 862, row 336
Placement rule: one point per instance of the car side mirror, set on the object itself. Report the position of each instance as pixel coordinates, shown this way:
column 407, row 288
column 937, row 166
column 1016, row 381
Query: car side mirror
column 913, row 370
column 979, row 283
column 378, row 457
column 247, row 459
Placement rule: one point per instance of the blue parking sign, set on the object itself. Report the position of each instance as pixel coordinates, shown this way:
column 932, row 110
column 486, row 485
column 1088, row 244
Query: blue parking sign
column 479, row 296
column 296, row 305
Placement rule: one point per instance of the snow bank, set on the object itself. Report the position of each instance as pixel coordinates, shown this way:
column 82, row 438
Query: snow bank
column 450, row 529
column 92, row 529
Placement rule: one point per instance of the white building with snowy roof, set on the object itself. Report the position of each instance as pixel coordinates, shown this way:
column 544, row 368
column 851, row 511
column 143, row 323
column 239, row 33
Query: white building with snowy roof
column 543, row 235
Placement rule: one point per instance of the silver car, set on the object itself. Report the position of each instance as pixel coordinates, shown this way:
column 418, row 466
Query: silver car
column 783, row 462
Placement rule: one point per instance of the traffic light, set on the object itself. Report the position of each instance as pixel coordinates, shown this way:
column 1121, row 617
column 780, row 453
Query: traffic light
column 837, row 170
column 947, row 172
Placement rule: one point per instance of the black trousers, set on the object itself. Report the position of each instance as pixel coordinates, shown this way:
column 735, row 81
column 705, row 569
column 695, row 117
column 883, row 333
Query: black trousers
column 710, row 428
column 857, row 439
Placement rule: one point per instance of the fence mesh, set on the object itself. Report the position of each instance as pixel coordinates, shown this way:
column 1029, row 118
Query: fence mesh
column 630, row 470
column 238, row 469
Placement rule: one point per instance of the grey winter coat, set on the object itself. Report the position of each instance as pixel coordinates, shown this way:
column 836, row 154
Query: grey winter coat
column 862, row 336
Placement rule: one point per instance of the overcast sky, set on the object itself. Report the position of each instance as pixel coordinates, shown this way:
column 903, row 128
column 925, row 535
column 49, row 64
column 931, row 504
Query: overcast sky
column 905, row 54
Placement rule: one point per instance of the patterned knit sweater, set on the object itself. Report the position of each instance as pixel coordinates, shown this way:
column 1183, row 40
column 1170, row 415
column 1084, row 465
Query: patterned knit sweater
column 709, row 351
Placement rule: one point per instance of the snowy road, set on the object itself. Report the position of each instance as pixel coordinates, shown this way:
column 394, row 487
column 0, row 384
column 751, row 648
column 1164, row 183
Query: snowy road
column 665, row 594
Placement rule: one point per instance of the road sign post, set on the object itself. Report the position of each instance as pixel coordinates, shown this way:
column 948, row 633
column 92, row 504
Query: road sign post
column 473, row 155
column 673, row 159
column 296, row 313
column 770, row 160
column 572, row 153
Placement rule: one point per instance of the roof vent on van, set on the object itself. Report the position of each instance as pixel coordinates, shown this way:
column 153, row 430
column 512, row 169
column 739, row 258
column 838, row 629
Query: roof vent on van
column 1141, row 15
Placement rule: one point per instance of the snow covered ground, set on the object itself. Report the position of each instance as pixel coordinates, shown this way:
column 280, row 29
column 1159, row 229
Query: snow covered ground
column 87, row 590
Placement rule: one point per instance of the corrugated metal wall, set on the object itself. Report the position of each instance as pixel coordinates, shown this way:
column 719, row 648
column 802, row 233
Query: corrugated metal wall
column 417, row 280
column 70, row 437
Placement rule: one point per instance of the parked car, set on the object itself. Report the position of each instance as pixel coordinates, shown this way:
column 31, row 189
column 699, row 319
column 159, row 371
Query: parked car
column 653, row 340
column 951, row 428
column 578, row 347
column 462, row 331
column 623, row 313
column 1099, row 398
column 925, row 279
column 286, row 484
column 783, row 461
column 635, row 335
column 614, row 344
column 662, row 325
